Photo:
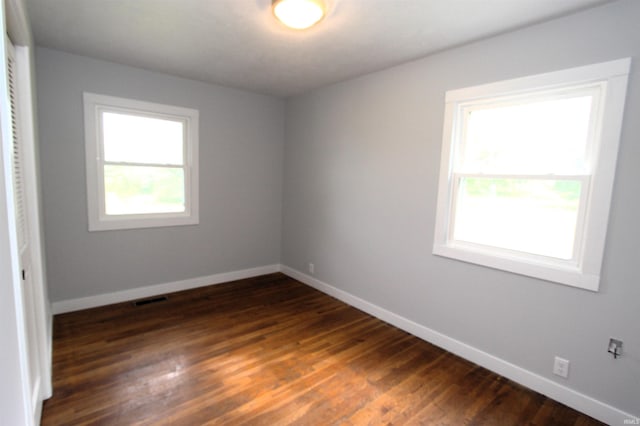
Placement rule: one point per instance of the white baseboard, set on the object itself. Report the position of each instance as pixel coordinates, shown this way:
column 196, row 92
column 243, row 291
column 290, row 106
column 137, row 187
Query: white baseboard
column 574, row 399
column 71, row 305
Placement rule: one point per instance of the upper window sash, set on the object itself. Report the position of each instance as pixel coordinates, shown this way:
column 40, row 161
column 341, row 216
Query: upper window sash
column 185, row 157
column 464, row 110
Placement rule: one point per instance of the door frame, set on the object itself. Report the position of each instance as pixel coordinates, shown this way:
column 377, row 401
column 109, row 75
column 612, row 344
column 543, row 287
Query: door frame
column 15, row 24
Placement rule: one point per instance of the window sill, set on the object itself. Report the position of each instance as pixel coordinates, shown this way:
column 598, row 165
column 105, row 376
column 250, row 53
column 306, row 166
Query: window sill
column 551, row 271
column 110, row 224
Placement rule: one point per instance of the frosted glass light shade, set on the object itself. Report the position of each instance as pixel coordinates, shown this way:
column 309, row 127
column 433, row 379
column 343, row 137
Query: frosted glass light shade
column 298, row 14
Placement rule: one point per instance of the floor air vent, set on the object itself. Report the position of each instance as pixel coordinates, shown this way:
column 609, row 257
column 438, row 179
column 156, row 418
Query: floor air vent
column 149, row 301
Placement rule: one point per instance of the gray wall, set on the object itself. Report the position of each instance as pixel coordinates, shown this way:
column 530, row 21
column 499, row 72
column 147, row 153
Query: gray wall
column 361, row 175
column 241, row 142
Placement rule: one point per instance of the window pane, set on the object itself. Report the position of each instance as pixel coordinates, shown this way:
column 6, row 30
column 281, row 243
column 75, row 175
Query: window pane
column 540, row 137
column 140, row 190
column 533, row 216
column 138, row 139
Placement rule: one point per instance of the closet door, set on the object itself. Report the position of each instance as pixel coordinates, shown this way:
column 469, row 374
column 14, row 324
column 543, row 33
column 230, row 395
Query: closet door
column 29, row 295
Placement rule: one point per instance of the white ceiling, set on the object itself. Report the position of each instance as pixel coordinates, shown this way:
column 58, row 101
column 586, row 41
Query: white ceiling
column 238, row 43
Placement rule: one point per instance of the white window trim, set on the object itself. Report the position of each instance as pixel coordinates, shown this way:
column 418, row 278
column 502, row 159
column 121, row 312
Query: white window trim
column 98, row 219
column 584, row 270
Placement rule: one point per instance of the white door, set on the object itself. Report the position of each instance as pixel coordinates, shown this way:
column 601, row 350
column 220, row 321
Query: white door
column 29, row 296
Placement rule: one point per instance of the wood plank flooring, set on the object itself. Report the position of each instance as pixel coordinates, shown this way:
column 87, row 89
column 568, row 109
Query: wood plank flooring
column 270, row 351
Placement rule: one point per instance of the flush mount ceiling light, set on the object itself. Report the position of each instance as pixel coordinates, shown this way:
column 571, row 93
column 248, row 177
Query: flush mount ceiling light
column 298, row 14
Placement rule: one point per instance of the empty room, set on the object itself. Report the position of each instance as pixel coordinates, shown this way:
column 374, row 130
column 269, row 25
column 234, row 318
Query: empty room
column 320, row 212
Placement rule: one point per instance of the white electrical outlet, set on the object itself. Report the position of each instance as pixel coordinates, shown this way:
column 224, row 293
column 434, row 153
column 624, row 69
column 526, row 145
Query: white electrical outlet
column 312, row 268
column 561, row 367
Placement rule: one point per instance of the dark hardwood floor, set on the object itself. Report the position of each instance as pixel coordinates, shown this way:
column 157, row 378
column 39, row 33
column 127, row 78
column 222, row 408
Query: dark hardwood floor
column 270, row 351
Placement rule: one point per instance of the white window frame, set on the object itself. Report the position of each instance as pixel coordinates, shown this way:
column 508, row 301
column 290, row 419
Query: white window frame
column 609, row 79
column 94, row 106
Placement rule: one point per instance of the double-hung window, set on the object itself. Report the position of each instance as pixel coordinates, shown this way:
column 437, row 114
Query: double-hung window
column 142, row 163
column 527, row 172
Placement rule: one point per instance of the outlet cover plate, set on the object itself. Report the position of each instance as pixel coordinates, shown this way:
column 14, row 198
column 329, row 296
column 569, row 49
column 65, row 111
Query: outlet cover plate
column 561, row 367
